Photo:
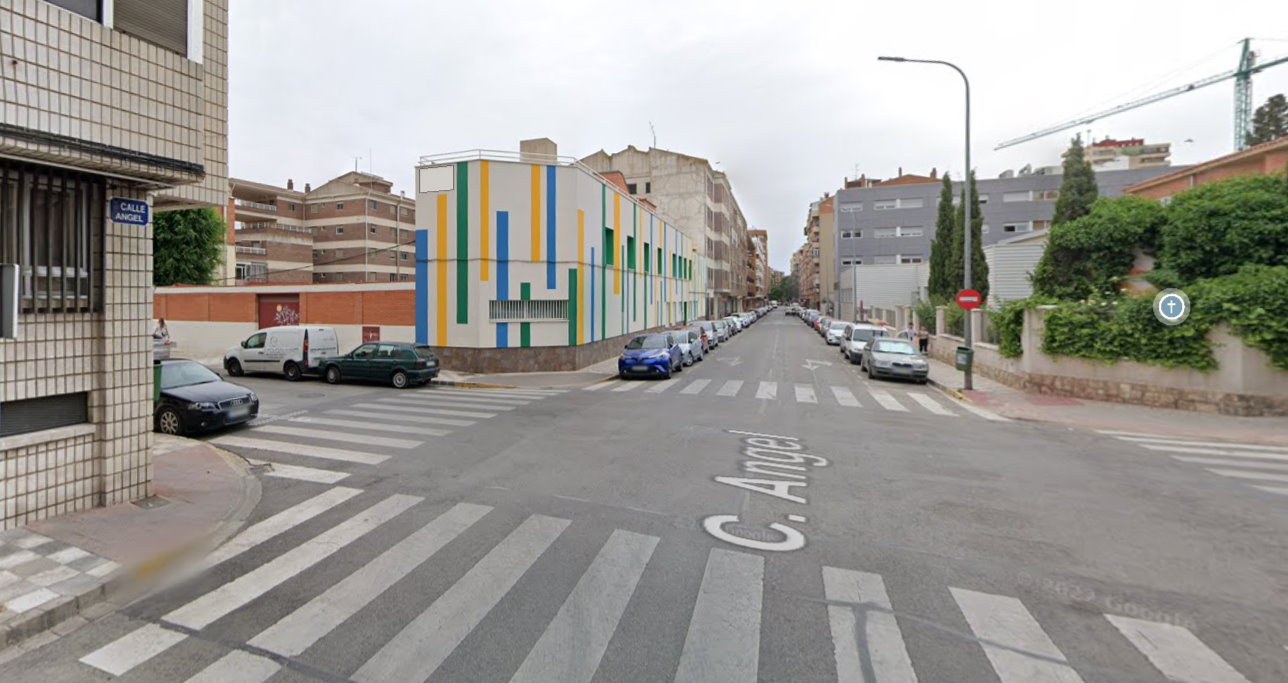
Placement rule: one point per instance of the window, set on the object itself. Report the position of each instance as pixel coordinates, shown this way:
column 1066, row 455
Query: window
column 983, row 199
column 910, row 258
column 885, row 204
column 884, row 260
column 851, row 208
column 1017, row 227
column 393, row 256
column 291, row 207
column 910, row 232
column 371, row 205
column 373, row 229
column 630, row 252
column 882, row 233
column 339, row 229
column 47, row 412
column 1046, row 195
column 648, row 187
column 339, row 205
column 534, row 309
column 984, row 229
column 609, row 257
column 392, row 277
column 1016, row 196
column 648, row 261
column 252, row 272
column 631, row 188
column 846, row 234
column 314, row 208
column 1041, row 225
column 659, row 258
column 51, row 225
column 161, row 22
column 402, row 255
column 911, row 203
column 317, row 254
column 406, row 211
column 85, row 8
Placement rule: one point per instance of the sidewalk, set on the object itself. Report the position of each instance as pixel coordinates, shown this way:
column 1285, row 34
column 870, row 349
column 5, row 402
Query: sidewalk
column 1020, row 405
column 54, row 572
column 590, row 374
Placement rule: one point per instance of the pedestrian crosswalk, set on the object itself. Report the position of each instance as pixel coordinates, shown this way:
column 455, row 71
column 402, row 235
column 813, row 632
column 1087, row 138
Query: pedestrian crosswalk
column 732, row 622
column 892, row 400
column 309, row 445
column 1262, row 467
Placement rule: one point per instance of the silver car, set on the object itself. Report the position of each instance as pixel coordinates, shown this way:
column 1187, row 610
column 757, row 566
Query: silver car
column 722, row 328
column 835, row 331
column 891, row 357
column 690, row 340
column 713, row 333
column 856, row 336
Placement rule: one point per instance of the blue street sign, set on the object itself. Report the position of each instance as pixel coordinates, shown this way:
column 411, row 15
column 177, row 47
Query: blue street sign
column 131, row 211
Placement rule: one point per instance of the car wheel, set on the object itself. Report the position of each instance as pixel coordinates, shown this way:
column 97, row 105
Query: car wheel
column 688, row 360
column 169, row 421
column 399, row 379
column 667, row 374
column 333, row 375
column 235, row 368
column 292, row 370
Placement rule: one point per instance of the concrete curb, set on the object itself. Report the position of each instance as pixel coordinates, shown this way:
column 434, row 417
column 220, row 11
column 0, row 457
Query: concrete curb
column 948, row 390
column 484, row 385
column 133, row 581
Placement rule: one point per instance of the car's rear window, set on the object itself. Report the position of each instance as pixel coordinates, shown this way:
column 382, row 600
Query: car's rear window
column 425, row 353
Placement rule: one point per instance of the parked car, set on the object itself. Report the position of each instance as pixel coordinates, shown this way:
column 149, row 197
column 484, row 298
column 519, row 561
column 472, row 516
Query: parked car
column 725, row 330
column 892, row 357
column 712, row 333
column 650, row 355
column 822, row 324
column 690, row 341
column 792, row 310
column 401, row 364
column 290, row 350
column 856, row 336
column 195, row 399
column 835, row 330
column 734, row 323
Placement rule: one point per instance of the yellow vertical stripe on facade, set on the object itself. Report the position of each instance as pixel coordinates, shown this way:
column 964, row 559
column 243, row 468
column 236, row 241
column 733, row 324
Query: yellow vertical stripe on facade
column 617, row 243
column 485, row 248
column 582, row 304
column 440, row 264
column 536, row 213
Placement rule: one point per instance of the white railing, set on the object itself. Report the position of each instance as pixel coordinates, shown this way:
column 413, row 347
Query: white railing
column 244, row 249
column 247, row 204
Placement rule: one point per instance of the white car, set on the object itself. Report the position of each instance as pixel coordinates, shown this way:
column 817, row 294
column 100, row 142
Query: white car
column 855, row 336
column 835, row 332
column 290, row 350
column 713, row 332
column 735, row 325
column 690, row 340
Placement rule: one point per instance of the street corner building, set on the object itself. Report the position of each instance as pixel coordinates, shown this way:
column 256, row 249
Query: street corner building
column 532, row 261
column 111, row 111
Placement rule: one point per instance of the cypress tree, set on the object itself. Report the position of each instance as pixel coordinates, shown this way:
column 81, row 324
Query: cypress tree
column 978, row 266
column 939, row 284
column 1078, row 189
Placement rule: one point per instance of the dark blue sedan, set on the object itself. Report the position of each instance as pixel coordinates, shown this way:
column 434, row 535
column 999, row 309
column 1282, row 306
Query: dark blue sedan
column 651, row 355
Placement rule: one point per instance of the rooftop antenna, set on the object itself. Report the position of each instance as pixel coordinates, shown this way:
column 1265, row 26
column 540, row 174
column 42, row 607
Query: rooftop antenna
column 355, row 163
column 654, row 132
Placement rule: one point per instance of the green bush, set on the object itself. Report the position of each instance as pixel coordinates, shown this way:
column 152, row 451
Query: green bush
column 1008, row 323
column 1254, row 302
column 926, row 315
column 954, row 320
column 1126, row 329
column 1214, row 229
column 1089, row 255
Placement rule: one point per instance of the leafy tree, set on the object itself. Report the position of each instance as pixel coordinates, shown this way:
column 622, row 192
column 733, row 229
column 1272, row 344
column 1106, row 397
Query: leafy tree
column 1088, row 255
column 1078, row 188
column 939, row 284
column 1216, row 228
column 785, row 290
column 978, row 265
column 187, row 245
column 1270, row 121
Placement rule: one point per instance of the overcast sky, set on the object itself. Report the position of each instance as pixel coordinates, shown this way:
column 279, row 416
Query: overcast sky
column 787, row 96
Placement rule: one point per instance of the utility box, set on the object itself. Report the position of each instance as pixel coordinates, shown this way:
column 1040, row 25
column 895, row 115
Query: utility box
column 965, row 357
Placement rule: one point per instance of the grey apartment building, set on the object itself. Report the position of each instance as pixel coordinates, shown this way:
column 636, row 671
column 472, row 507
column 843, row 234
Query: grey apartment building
column 889, row 224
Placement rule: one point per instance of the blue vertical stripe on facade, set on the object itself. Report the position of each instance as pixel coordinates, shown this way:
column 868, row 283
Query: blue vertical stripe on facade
column 552, row 280
column 502, row 273
column 422, row 286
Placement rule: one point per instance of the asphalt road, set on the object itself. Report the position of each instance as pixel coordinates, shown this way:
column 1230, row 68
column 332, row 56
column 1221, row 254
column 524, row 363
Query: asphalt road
column 769, row 514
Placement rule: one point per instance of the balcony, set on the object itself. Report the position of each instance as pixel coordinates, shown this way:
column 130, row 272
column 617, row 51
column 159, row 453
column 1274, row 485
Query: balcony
column 259, row 206
column 245, row 249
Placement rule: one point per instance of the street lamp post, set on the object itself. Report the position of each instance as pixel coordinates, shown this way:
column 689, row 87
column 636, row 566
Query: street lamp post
column 966, row 227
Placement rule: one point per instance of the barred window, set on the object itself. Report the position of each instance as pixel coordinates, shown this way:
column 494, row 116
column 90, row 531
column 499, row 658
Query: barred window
column 51, row 225
column 536, row 309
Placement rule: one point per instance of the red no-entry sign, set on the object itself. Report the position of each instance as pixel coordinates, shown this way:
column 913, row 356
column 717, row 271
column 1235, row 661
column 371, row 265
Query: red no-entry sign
column 969, row 299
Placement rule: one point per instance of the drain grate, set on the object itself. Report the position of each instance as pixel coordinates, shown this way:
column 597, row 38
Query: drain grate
column 152, row 502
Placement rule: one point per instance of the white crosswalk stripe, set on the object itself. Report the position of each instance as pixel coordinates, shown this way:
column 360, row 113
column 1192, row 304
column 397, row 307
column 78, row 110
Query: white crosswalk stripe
column 723, row 642
column 1248, row 463
column 306, row 450
column 767, row 391
column 596, row 386
column 886, row 400
column 660, row 386
column 399, row 414
column 1280, row 490
column 1215, row 451
column 730, row 388
column 276, row 525
column 1019, row 650
column 239, row 666
column 696, row 386
column 845, row 397
column 930, row 404
column 1176, row 652
column 471, row 399
column 628, row 386
column 886, row 656
column 344, row 437
column 435, row 400
column 370, row 426
column 297, row 472
column 1228, row 462
column 417, row 651
column 805, row 394
column 1245, row 474
column 413, row 405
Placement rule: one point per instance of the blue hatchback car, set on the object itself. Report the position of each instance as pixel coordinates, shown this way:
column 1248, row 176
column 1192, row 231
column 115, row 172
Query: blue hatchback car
column 651, row 355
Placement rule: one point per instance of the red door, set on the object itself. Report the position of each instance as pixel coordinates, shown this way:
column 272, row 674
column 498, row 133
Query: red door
column 279, row 309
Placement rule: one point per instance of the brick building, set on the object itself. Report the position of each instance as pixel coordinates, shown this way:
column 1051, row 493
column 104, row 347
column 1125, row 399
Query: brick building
column 1268, row 157
column 350, row 229
column 108, row 118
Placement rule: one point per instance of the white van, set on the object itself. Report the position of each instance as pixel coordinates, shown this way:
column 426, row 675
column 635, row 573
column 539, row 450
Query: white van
column 291, row 350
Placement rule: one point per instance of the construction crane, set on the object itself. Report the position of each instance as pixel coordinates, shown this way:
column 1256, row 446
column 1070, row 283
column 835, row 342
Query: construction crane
column 1242, row 99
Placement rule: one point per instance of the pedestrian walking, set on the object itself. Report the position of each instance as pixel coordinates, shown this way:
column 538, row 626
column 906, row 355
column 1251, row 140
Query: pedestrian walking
column 923, row 339
column 909, row 334
column 161, row 332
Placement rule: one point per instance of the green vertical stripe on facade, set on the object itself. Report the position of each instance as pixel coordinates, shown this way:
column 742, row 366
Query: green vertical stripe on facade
column 572, row 307
column 525, row 329
column 462, row 243
column 607, row 252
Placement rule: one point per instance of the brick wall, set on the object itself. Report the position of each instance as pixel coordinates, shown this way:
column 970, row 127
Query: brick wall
column 329, row 307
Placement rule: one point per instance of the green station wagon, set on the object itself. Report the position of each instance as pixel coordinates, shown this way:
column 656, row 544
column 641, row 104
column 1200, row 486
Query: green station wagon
column 401, row 364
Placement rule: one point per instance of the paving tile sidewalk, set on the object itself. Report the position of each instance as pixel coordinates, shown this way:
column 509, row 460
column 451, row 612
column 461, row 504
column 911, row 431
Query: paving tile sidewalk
column 1103, row 415
column 53, row 570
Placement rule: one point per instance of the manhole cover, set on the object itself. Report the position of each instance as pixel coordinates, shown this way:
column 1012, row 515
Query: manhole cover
column 316, row 394
column 152, row 502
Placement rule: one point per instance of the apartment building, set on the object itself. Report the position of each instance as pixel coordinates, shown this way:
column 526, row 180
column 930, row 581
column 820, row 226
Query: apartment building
column 758, row 262
column 113, row 111
column 352, row 228
column 1267, row 157
column 1119, row 155
column 701, row 202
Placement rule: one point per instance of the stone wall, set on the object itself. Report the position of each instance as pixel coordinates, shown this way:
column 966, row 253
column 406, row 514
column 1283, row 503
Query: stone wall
column 534, row 358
